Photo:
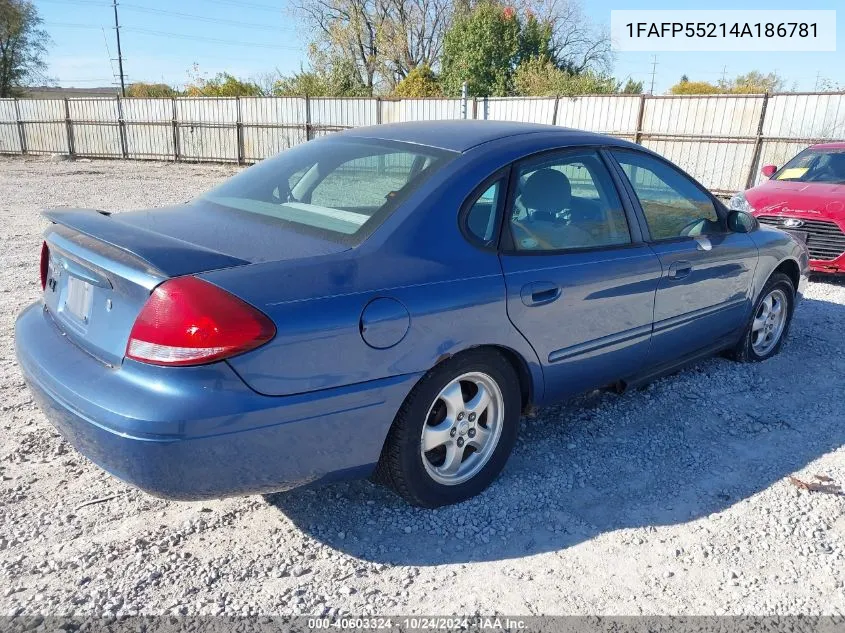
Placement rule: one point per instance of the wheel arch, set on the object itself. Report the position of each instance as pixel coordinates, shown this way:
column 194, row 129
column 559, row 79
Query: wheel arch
column 791, row 269
column 742, row 352
column 527, row 378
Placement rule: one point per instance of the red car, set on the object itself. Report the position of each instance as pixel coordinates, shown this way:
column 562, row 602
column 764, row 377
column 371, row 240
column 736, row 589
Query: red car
column 805, row 197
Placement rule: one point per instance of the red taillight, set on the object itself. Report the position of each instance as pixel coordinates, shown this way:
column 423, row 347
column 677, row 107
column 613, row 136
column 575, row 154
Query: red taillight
column 187, row 321
column 45, row 264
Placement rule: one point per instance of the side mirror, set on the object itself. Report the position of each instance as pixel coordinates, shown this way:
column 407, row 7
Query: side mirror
column 769, row 170
column 741, row 222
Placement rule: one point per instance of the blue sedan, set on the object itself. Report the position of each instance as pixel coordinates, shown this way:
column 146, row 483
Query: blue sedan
column 387, row 301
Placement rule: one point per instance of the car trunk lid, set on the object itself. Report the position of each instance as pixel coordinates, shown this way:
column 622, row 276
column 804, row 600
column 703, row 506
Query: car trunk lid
column 102, row 267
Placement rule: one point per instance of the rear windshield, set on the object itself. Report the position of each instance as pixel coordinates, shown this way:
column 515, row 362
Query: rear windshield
column 815, row 165
column 337, row 188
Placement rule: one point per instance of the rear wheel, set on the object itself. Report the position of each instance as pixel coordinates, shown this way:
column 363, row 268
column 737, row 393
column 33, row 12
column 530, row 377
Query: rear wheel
column 769, row 321
column 455, row 431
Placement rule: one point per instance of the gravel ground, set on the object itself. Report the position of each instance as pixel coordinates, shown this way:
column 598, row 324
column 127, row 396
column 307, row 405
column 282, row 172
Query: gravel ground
column 670, row 500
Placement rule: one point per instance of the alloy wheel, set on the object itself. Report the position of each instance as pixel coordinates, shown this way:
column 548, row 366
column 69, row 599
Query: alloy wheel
column 769, row 322
column 462, row 428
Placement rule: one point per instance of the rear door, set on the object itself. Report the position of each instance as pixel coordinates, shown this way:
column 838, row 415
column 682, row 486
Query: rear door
column 704, row 293
column 580, row 281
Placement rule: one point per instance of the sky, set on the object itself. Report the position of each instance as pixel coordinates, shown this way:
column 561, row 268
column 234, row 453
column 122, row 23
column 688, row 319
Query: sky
column 161, row 40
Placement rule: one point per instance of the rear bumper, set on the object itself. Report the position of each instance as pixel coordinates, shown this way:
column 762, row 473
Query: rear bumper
column 199, row 432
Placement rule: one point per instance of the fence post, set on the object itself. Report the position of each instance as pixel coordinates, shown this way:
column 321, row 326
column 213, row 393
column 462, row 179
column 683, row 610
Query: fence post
column 239, row 131
column 69, row 126
column 121, row 127
column 378, row 110
column 21, row 131
column 758, row 144
column 307, row 118
column 475, row 108
column 554, row 112
column 464, row 108
column 638, row 133
column 175, row 123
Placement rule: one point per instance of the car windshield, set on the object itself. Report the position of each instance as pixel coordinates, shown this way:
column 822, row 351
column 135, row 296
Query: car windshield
column 815, row 165
column 336, row 188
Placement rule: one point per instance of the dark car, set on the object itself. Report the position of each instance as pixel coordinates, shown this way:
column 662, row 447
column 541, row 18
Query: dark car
column 806, row 197
column 388, row 300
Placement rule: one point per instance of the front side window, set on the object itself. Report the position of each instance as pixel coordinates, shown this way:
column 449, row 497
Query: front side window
column 673, row 205
column 815, row 165
column 339, row 189
column 567, row 202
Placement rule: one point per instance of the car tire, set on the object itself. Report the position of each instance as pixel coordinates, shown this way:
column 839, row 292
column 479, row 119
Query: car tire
column 753, row 346
column 443, row 414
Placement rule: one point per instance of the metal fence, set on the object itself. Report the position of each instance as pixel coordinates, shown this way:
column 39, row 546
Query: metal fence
column 720, row 139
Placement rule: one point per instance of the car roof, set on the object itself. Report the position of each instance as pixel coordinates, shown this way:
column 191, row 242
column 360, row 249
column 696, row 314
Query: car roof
column 828, row 146
column 462, row 135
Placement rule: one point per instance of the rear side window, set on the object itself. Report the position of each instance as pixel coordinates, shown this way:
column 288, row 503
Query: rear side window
column 340, row 189
column 673, row 205
column 481, row 215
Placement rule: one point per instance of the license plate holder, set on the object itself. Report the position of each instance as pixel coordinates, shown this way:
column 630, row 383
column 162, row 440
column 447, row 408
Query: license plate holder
column 78, row 298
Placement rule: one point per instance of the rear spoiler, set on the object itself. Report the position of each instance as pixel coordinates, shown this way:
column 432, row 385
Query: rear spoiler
column 167, row 256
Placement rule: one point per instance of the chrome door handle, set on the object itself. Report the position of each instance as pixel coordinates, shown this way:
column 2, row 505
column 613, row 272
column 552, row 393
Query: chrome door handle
column 679, row 270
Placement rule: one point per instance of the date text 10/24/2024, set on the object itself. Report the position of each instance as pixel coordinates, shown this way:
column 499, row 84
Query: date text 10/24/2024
column 419, row 623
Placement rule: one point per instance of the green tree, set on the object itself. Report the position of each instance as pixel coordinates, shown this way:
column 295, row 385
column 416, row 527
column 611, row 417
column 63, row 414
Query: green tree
column 694, row 88
column 631, row 87
column 221, row 85
column 542, row 78
column 489, row 41
column 421, row 82
column 337, row 78
column 482, row 48
column 150, row 91
column 23, row 45
column 302, row 84
column 753, row 82
column 535, row 39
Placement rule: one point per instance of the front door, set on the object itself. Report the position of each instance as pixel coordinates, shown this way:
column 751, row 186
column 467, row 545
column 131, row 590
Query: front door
column 704, row 295
column 580, row 282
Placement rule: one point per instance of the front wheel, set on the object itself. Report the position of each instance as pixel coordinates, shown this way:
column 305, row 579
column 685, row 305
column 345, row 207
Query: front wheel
column 455, row 431
column 769, row 322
